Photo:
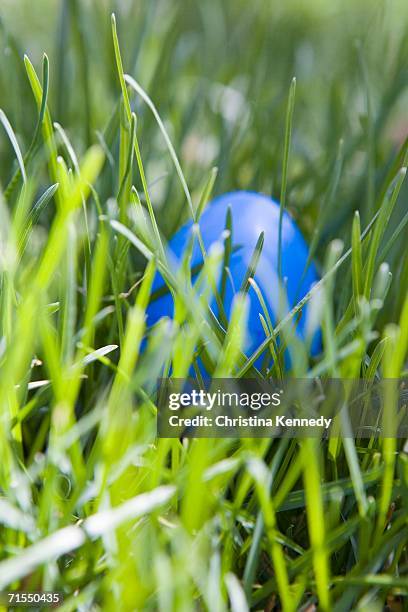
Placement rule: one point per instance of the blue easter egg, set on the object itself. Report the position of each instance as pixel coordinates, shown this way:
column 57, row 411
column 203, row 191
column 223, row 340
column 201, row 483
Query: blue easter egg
column 252, row 213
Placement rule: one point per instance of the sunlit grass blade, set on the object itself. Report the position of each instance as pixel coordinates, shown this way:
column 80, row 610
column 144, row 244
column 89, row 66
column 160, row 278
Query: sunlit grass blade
column 316, row 523
column 136, row 143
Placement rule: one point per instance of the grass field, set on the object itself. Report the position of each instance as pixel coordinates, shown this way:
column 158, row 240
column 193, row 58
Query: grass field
column 97, row 171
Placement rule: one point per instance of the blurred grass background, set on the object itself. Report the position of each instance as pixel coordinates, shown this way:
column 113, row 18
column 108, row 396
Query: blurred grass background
column 219, row 73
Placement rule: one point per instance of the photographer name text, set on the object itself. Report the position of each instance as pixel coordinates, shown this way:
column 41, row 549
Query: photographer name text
column 223, row 420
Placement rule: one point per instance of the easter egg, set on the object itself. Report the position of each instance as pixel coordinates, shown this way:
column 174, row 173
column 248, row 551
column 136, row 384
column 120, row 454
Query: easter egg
column 252, row 213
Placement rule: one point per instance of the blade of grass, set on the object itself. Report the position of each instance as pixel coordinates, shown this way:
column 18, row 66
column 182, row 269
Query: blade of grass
column 14, row 142
column 316, row 522
column 285, row 166
column 264, row 345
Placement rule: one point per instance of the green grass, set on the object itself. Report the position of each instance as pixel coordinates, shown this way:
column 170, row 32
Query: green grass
column 108, row 143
